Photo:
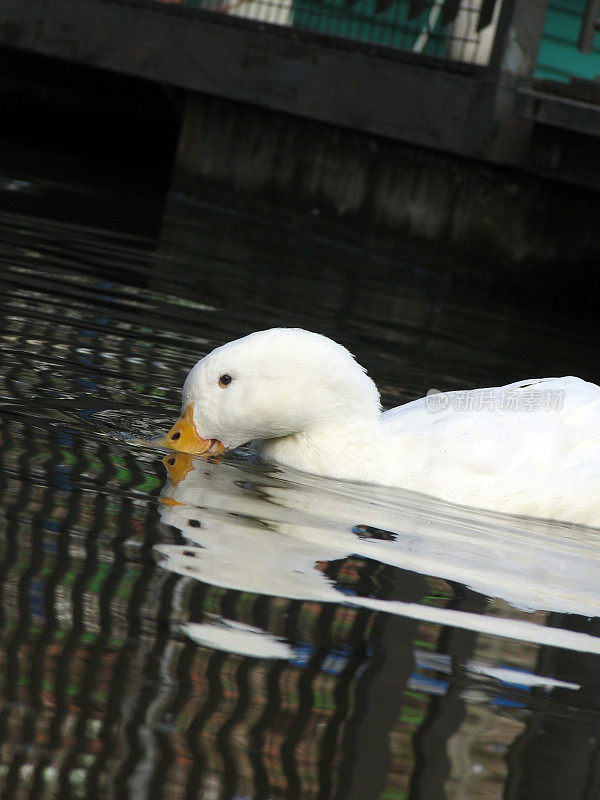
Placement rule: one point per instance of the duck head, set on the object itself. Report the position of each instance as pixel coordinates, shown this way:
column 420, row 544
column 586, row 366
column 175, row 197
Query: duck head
column 270, row 384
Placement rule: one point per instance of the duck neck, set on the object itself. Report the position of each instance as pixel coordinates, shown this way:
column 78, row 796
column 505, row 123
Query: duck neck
column 339, row 449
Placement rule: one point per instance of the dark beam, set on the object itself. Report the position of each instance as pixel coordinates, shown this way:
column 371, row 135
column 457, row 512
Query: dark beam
column 277, row 68
column 416, row 8
column 486, row 14
column 589, row 26
column 450, row 11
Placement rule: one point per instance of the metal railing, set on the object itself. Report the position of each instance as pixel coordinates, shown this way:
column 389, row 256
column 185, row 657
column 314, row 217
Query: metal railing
column 459, row 30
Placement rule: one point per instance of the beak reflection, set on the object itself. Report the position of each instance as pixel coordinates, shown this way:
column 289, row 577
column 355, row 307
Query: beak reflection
column 178, row 465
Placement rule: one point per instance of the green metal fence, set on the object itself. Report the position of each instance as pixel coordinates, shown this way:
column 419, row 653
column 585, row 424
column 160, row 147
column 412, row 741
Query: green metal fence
column 559, row 57
column 461, row 30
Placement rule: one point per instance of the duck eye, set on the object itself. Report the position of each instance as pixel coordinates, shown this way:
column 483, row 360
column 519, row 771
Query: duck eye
column 224, row 381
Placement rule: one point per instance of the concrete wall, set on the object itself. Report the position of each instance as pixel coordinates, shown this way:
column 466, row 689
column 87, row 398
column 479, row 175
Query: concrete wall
column 497, row 215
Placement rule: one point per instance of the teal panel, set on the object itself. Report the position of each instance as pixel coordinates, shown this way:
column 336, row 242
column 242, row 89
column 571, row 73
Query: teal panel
column 558, row 56
column 364, row 21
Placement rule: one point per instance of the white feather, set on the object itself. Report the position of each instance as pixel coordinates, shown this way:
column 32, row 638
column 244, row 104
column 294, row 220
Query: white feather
column 530, row 448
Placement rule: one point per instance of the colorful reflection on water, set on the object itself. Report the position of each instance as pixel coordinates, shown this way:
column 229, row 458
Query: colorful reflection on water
column 180, row 628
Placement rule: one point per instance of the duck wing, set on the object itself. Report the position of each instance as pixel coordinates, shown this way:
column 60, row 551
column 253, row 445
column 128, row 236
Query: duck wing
column 531, row 447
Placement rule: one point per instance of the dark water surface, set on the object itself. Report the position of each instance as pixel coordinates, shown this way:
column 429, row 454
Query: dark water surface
column 188, row 629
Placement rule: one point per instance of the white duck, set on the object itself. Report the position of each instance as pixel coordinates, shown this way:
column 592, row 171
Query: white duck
column 530, row 448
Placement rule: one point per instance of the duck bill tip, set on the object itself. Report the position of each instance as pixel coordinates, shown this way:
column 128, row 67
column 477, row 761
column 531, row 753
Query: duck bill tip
column 184, row 437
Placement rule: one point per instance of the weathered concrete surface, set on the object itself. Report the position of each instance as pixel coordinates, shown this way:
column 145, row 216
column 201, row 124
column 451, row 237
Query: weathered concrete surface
column 500, row 217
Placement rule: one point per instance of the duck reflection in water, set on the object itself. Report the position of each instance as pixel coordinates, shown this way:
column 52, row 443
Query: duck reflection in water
column 253, row 528
column 263, row 530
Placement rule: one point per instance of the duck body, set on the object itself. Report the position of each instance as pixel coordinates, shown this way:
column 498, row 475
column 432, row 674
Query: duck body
column 530, row 448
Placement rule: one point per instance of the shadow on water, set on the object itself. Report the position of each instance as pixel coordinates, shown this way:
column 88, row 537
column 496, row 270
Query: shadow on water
column 225, row 629
column 83, row 144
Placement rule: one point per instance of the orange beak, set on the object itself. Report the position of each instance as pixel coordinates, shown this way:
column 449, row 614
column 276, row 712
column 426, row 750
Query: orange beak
column 183, row 436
